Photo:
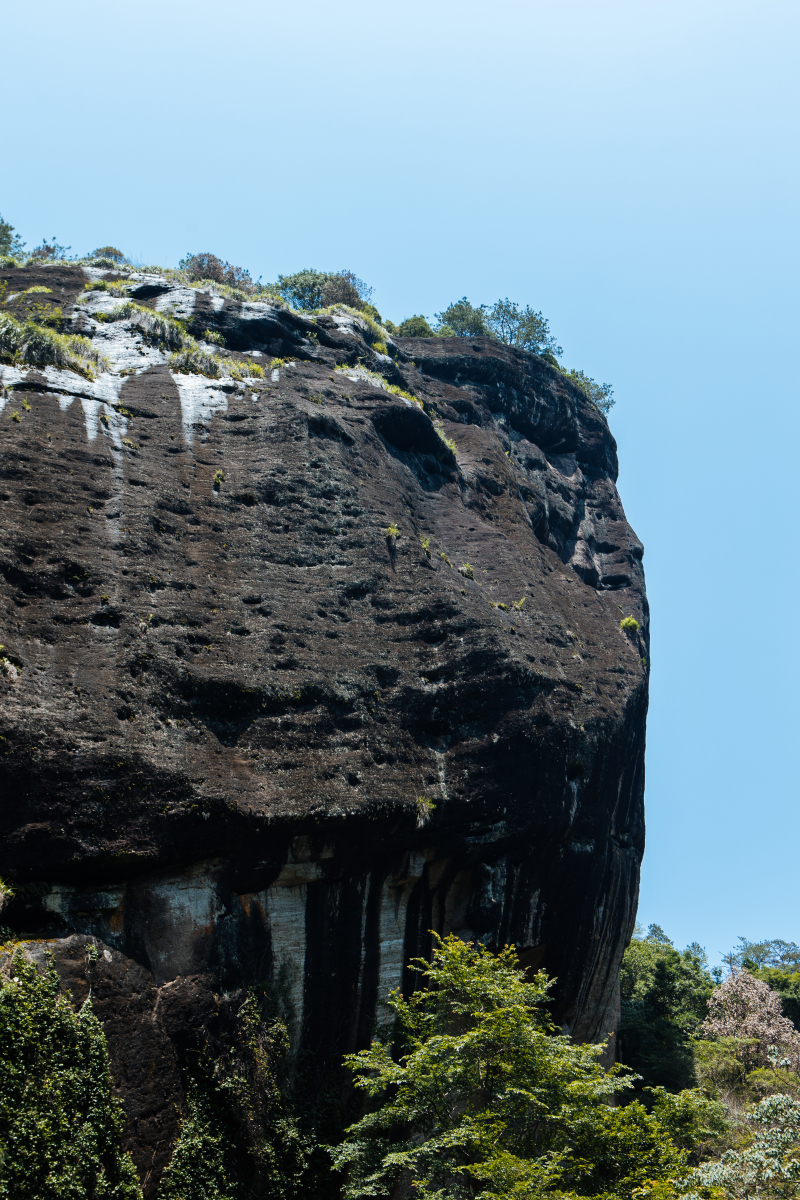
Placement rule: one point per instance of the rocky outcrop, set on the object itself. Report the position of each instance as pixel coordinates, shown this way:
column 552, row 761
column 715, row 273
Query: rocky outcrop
column 300, row 666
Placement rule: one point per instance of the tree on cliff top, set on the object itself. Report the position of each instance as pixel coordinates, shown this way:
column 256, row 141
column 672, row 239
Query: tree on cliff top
column 484, row 1098
column 10, row 243
column 309, row 289
column 60, row 1123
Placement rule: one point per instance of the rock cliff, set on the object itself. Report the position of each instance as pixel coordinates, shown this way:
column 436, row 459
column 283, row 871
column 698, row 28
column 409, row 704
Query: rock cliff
column 304, row 662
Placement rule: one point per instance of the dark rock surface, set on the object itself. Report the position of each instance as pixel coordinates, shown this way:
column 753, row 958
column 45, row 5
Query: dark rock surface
column 225, row 687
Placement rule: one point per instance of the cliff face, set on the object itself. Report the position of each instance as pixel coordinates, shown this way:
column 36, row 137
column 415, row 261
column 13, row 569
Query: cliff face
column 246, row 734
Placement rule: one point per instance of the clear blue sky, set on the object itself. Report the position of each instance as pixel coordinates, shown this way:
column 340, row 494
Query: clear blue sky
column 629, row 168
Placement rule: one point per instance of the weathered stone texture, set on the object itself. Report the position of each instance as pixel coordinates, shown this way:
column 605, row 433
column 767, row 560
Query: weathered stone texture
column 226, row 688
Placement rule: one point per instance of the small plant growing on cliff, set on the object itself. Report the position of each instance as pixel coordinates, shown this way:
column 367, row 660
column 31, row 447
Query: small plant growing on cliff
column 426, row 545
column 219, row 479
column 392, row 532
column 425, row 809
column 467, row 571
column 213, row 335
column 60, row 1124
column 629, row 625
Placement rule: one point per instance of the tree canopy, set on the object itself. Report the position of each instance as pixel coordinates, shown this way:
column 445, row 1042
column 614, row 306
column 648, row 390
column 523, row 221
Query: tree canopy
column 483, row 1097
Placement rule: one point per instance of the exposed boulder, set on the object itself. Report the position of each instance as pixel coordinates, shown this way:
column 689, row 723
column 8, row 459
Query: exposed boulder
column 249, row 729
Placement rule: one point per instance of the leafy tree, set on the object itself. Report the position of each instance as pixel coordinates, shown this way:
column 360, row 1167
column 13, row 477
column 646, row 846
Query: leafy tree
column 416, row 326
column 309, row 289
column 521, row 327
column 768, row 1167
column 60, row 1124
column 746, row 1008
column 463, row 319
column 486, row 1099
column 208, row 266
column 664, row 995
column 600, row 394
column 50, row 251
column 10, row 243
column 109, row 252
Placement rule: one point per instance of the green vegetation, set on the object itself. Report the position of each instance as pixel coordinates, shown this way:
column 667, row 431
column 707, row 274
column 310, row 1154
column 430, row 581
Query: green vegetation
column 32, row 345
column 60, row 1124
column 629, row 625
column 522, row 327
column 110, row 253
column 241, row 1124
column 413, row 327
column 158, row 328
column 480, row 1096
column 600, row 394
column 10, row 244
column 392, row 531
column 309, row 290
column 379, row 381
column 209, row 268
column 462, row 319
column 664, row 997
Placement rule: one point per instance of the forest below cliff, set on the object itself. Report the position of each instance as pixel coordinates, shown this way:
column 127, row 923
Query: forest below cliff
column 470, row 1091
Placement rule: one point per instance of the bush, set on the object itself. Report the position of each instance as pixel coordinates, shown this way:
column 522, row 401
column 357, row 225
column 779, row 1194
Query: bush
column 208, row 266
column 481, row 1097
column 600, row 394
column 416, row 326
column 158, row 328
column 463, row 320
column 60, row 1124
column 38, row 347
column 310, row 289
column 522, row 327
column 49, row 251
column 109, row 252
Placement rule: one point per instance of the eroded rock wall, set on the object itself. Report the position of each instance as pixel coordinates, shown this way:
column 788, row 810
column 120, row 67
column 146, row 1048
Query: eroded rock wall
column 246, row 734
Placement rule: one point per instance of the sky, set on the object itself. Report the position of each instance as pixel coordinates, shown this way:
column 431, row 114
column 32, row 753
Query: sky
column 631, row 169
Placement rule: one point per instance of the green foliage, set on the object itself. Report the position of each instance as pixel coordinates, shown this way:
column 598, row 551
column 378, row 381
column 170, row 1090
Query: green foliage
column 414, row 327
column 309, row 290
column 600, row 394
column 768, row 1167
column 462, row 319
column 485, row 1099
column 522, row 327
column 109, row 252
column 209, row 267
column 160, row 329
column 202, row 1166
column 629, row 625
column 241, row 1136
column 51, row 251
column 664, row 996
column 60, row 1125
column 31, row 344
column 10, row 244
column 392, row 531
